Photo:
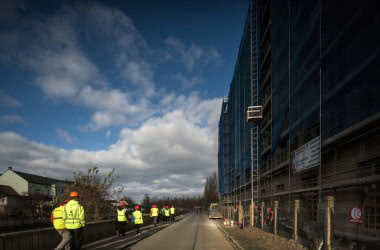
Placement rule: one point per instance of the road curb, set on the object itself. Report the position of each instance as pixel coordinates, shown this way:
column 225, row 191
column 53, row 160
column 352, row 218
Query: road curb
column 230, row 238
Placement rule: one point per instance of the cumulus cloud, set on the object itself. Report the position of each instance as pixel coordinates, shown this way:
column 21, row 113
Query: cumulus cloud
column 167, row 148
column 65, row 136
column 139, row 74
column 9, row 101
column 12, row 118
column 170, row 154
column 64, row 71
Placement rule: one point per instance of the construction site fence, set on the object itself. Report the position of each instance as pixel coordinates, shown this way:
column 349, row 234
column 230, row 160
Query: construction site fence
column 328, row 223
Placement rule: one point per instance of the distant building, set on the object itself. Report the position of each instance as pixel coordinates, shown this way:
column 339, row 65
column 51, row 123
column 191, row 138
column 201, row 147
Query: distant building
column 13, row 204
column 26, row 184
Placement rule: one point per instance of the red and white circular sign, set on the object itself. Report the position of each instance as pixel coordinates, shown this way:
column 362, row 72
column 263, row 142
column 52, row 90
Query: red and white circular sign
column 356, row 215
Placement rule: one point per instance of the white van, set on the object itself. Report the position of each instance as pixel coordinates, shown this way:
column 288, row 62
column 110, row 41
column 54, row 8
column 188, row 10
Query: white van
column 214, row 212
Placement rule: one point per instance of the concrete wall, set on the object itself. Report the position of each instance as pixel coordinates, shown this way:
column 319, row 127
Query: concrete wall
column 13, row 180
column 48, row 238
column 12, row 205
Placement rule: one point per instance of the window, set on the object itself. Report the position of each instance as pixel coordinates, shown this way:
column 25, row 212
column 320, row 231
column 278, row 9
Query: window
column 372, row 211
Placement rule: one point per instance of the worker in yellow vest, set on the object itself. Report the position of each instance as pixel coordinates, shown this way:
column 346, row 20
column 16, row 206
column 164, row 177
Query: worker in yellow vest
column 59, row 225
column 121, row 218
column 162, row 214
column 154, row 214
column 167, row 213
column 138, row 218
column 74, row 218
column 172, row 213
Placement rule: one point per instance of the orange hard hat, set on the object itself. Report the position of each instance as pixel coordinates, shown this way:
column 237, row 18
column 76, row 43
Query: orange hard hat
column 74, row 194
column 122, row 203
column 153, row 205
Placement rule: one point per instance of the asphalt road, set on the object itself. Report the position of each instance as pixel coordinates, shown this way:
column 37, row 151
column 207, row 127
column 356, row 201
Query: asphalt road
column 194, row 232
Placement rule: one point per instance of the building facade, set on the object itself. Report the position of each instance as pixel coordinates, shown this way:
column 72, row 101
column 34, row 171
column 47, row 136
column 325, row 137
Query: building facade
column 13, row 204
column 29, row 184
column 311, row 66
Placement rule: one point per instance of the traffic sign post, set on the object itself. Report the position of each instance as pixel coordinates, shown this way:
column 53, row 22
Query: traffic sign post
column 356, row 216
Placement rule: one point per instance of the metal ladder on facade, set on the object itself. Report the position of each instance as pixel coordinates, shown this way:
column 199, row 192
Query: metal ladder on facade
column 255, row 178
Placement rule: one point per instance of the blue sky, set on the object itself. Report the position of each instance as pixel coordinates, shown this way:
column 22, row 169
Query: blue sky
column 130, row 85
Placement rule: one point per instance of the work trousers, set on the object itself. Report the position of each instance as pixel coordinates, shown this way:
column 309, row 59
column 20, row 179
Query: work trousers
column 167, row 218
column 66, row 240
column 77, row 238
column 137, row 228
column 154, row 220
column 172, row 217
column 120, row 227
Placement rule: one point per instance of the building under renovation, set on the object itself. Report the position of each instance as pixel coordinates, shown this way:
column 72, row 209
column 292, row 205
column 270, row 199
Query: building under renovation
column 302, row 116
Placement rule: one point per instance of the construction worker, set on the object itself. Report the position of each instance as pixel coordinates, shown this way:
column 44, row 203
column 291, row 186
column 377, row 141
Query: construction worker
column 154, row 214
column 59, row 225
column 138, row 219
column 172, row 213
column 74, row 218
column 167, row 213
column 162, row 214
column 121, row 219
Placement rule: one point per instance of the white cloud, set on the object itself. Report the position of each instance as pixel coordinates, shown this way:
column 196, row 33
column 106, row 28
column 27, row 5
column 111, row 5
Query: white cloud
column 167, row 155
column 65, row 136
column 213, row 57
column 172, row 146
column 141, row 75
column 189, row 56
column 103, row 119
column 12, row 118
column 65, row 72
column 192, row 56
column 187, row 81
column 9, row 101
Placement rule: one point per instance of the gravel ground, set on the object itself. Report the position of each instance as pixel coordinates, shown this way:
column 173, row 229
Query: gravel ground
column 252, row 238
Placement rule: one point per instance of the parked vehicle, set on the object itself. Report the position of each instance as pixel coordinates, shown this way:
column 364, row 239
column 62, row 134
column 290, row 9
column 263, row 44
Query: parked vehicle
column 214, row 212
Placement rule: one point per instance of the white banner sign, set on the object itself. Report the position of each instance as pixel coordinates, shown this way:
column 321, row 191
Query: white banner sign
column 306, row 156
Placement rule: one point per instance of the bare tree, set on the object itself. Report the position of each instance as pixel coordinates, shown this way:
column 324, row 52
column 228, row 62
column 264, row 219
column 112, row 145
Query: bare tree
column 147, row 201
column 94, row 191
column 210, row 193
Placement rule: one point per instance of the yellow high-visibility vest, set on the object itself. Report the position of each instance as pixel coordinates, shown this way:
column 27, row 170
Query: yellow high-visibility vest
column 154, row 211
column 74, row 215
column 121, row 215
column 167, row 212
column 58, row 221
column 138, row 217
column 172, row 210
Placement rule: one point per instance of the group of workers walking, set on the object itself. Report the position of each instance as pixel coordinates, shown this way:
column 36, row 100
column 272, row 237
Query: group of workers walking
column 122, row 218
column 69, row 220
column 165, row 215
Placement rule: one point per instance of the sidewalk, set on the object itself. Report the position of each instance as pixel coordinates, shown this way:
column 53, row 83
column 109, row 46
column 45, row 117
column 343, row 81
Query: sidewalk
column 130, row 238
column 252, row 238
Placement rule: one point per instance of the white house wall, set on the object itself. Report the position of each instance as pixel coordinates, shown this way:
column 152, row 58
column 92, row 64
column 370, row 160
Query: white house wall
column 10, row 178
